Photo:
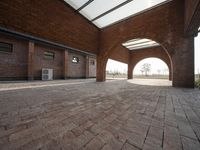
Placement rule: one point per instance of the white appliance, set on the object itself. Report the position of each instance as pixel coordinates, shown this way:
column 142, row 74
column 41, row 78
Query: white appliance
column 47, row 74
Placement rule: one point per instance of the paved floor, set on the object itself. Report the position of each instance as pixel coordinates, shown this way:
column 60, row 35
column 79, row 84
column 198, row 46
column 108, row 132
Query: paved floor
column 115, row 115
column 14, row 85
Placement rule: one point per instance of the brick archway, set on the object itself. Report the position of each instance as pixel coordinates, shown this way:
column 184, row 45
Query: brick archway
column 164, row 52
column 158, row 52
column 164, row 25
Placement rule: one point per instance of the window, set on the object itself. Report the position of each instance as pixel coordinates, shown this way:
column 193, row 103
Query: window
column 92, row 62
column 6, row 47
column 49, row 55
column 75, row 59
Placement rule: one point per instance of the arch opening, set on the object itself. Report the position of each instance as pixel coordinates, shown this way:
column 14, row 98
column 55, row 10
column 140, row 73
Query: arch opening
column 138, row 49
column 151, row 71
column 197, row 60
column 116, row 70
column 151, row 68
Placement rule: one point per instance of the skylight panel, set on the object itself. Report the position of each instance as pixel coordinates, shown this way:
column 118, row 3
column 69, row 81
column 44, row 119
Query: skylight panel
column 136, row 41
column 98, row 7
column 103, row 13
column 136, row 44
column 143, row 47
column 143, row 44
column 76, row 3
column 132, row 8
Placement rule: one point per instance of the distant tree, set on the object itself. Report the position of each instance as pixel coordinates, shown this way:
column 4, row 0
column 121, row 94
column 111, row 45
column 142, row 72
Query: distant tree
column 142, row 71
column 146, row 68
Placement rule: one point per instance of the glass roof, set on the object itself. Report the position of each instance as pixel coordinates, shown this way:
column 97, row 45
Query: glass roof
column 104, row 13
column 137, row 44
column 76, row 3
column 98, row 7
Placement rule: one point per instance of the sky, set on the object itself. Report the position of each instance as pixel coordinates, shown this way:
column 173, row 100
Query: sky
column 197, row 54
column 156, row 64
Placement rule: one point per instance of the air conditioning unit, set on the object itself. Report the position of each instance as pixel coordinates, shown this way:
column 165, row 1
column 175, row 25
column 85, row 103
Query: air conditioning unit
column 47, row 74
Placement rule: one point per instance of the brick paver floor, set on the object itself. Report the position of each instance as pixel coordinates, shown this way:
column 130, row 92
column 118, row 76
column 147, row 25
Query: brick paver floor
column 115, row 115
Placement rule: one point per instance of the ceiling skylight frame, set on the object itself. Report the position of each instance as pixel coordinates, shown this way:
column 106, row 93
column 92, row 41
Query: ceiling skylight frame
column 85, row 5
column 104, row 23
column 137, row 44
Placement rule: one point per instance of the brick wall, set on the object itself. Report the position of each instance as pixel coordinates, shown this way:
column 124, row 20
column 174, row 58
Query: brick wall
column 49, row 19
column 14, row 65
column 120, row 53
column 40, row 62
column 76, row 70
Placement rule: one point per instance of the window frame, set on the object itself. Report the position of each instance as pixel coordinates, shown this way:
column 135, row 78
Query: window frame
column 92, row 62
column 47, row 55
column 9, row 44
column 75, row 62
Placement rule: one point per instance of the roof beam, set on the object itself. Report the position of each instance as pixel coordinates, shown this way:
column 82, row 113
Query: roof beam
column 111, row 10
column 84, row 5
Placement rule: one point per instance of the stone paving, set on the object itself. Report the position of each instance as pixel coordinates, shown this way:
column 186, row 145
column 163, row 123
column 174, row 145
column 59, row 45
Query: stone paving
column 115, row 115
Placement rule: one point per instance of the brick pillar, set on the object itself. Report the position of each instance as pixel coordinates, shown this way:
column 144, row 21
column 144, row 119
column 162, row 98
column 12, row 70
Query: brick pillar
column 130, row 68
column 101, row 69
column 31, row 60
column 87, row 63
column 170, row 74
column 65, row 64
column 183, row 63
column 130, row 72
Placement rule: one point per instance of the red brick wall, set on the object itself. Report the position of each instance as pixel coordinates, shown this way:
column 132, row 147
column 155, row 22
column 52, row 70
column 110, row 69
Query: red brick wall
column 40, row 62
column 14, row 65
column 76, row 70
column 120, row 54
column 49, row 19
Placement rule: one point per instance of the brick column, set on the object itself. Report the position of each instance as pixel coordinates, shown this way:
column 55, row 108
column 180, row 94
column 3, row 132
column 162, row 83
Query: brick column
column 130, row 72
column 65, row 64
column 130, row 68
column 31, row 60
column 183, row 63
column 170, row 74
column 101, row 69
column 87, row 63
